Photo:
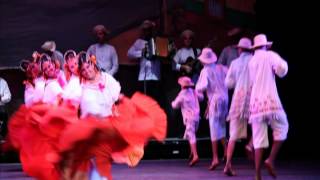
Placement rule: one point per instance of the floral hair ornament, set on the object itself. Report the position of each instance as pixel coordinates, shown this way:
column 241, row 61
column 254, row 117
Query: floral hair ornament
column 93, row 59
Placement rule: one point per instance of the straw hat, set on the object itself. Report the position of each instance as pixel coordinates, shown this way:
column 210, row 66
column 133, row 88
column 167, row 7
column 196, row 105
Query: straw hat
column 245, row 43
column 49, row 46
column 185, row 81
column 187, row 32
column 261, row 40
column 100, row 27
column 207, row 56
column 147, row 24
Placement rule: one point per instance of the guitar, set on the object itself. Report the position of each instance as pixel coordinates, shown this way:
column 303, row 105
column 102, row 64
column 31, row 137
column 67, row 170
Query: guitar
column 195, row 66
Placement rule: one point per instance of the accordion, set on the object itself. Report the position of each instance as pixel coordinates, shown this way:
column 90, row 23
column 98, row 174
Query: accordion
column 158, row 47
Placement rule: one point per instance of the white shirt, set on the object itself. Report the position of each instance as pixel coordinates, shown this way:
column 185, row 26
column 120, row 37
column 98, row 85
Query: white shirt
column 182, row 55
column 98, row 99
column 211, row 80
column 149, row 69
column 51, row 91
column 34, row 94
column 238, row 78
column 238, row 70
column 187, row 99
column 4, row 92
column 106, row 55
column 263, row 67
column 72, row 90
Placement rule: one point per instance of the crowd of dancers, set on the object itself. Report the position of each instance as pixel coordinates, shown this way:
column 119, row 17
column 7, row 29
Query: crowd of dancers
column 255, row 101
column 75, row 122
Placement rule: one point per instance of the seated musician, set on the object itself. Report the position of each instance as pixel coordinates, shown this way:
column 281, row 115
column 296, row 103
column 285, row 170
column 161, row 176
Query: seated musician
column 185, row 60
column 149, row 73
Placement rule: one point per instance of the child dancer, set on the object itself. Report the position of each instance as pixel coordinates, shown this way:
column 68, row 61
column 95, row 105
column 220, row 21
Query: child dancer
column 187, row 100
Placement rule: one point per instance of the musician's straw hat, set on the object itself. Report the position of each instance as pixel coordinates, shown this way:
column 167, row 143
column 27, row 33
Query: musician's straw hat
column 188, row 33
column 100, row 27
column 147, row 24
column 49, row 46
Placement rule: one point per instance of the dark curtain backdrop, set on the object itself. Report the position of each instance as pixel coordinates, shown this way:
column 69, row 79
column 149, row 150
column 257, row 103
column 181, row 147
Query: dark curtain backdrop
column 26, row 24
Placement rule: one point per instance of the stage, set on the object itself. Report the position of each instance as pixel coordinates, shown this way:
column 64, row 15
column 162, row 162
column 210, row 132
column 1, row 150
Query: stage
column 178, row 170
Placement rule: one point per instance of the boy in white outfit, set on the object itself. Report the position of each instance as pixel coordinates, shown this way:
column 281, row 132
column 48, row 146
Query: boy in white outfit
column 187, row 100
column 265, row 105
column 211, row 81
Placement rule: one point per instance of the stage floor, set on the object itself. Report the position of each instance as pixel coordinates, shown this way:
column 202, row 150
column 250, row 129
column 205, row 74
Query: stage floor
column 178, row 170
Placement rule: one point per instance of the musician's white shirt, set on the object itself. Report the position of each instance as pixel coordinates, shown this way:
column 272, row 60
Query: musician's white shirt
column 149, row 70
column 4, row 92
column 182, row 55
column 107, row 57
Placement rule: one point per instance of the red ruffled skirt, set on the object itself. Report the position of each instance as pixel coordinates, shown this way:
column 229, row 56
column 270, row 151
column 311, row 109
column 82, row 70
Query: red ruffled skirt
column 120, row 138
column 35, row 132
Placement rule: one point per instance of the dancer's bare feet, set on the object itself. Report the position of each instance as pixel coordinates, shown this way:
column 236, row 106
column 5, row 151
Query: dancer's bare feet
column 270, row 168
column 229, row 171
column 194, row 161
column 213, row 165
